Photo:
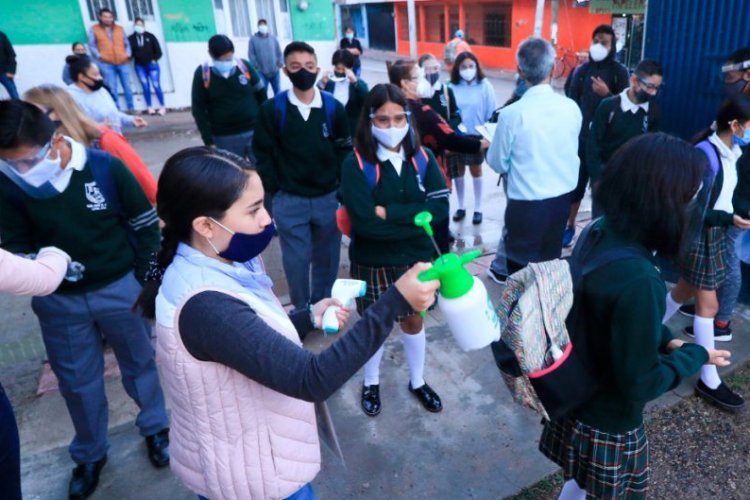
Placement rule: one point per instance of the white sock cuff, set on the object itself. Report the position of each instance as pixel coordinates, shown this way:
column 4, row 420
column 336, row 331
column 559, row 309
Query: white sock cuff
column 672, row 308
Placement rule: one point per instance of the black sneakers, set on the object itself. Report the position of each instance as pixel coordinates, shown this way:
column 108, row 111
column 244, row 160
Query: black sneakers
column 496, row 277
column 687, row 310
column 723, row 397
column 720, row 334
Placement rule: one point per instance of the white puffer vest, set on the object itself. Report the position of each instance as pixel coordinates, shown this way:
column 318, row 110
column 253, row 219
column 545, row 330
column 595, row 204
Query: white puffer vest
column 231, row 437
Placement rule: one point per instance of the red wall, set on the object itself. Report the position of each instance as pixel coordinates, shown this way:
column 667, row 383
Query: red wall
column 575, row 26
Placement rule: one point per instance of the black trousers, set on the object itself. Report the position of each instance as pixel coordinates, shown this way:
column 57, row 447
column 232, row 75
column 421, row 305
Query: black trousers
column 10, row 462
column 535, row 230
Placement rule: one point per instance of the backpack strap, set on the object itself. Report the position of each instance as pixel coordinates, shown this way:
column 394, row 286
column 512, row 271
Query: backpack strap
column 616, row 108
column 279, row 105
column 712, row 153
column 371, row 171
column 420, row 161
column 709, row 194
column 99, row 162
column 329, row 108
column 206, row 72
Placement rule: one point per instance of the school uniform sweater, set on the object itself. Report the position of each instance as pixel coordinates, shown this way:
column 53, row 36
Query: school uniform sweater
column 611, row 128
column 304, row 159
column 357, row 93
column 476, row 103
column 624, row 303
column 443, row 102
column 395, row 241
column 79, row 221
column 229, row 105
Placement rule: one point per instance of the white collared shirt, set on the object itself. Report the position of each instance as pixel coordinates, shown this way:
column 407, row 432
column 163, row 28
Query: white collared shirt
column 341, row 91
column 627, row 105
column 304, row 109
column 728, row 159
column 397, row 159
column 77, row 162
column 536, row 144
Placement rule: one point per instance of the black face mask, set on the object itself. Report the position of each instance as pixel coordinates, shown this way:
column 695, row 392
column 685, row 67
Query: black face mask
column 736, row 88
column 94, row 86
column 303, row 79
column 643, row 96
column 433, row 78
column 339, row 75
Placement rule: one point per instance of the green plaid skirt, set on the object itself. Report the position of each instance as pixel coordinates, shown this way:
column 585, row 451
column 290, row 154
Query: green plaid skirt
column 704, row 266
column 379, row 279
column 454, row 161
column 605, row 465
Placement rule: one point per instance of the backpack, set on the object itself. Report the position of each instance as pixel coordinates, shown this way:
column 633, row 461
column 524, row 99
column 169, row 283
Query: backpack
column 419, row 161
column 616, row 110
column 329, row 108
column 206, row 71
column 449, row 52
column 542, row 352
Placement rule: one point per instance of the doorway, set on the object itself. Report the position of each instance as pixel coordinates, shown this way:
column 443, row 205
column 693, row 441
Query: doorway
column 381, row 24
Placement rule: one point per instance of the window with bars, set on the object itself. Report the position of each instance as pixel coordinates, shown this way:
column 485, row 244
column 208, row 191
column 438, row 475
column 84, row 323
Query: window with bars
column 240, row 14
column 95, row 5
column 434, row 17
column 140, row 8
column 488, row 24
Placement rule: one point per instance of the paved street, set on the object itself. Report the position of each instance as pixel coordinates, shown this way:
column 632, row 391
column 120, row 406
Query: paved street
column 481, row 446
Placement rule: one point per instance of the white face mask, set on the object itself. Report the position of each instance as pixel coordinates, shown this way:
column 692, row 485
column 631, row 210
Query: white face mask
column 598, row 52
column 469, row 73
column 263, row 29
column 139, row 29
column 389, row 137
column 44, row 171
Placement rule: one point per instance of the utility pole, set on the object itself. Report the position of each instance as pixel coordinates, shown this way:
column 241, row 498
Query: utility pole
column 553, row 23
column 412, row 18
column 539, row 18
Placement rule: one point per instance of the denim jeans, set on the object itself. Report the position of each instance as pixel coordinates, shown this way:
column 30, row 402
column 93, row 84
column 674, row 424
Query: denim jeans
column 73, row 326
column 729, row 291
column 10, row 462
column 111, row 72
column 9, row 85
column 310, row 245
column 150, row 74
column 274, row 80
column 304, row 493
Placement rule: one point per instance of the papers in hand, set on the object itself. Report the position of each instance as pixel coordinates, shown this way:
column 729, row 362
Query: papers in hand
column 486, row 130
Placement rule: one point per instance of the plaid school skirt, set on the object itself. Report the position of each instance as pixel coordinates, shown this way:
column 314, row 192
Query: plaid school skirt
column 605, row 465
column 704, row 266
column 379, row 279
column 454, row 161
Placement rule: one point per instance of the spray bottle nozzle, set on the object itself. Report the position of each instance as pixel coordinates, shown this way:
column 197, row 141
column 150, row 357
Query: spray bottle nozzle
column 423, row 219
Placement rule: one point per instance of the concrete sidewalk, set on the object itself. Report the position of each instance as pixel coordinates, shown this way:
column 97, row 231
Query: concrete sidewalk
column 481, row 446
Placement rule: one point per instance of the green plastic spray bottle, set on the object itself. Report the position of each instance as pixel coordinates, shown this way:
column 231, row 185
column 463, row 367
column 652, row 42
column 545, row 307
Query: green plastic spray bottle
column 463, row 299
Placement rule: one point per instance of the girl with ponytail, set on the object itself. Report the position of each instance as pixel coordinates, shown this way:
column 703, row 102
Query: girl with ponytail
column 232, row 360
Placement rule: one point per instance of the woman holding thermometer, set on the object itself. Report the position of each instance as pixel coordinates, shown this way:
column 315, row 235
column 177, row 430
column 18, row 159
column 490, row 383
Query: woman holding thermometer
column 240, row 385
column 385, row 182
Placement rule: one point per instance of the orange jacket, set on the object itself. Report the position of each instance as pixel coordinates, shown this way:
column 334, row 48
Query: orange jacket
column 119, row 147
column 111, row 51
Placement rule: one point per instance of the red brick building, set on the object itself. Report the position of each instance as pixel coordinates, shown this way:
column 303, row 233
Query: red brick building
column 493, row 28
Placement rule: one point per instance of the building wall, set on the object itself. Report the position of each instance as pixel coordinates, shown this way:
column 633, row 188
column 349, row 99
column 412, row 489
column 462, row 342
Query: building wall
column 574, row 32
column 42, row 41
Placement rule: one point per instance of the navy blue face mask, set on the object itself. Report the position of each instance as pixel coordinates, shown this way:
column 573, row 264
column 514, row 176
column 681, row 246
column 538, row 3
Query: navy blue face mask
column 244, row 247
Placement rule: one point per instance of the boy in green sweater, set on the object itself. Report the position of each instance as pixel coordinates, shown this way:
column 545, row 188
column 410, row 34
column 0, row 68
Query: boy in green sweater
column 301, row 140
column 53, row 193
column 226, row 99
column 620, row 118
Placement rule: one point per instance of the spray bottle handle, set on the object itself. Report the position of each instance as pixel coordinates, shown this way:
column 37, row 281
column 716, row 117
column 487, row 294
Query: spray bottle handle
column 428, row 275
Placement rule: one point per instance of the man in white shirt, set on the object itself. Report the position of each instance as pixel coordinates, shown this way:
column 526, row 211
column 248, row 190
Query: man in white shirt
column 536, row 146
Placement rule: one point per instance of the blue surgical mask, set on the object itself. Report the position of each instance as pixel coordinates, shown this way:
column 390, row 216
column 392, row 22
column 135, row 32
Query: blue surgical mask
column 744, row 140
column 244, row 247
column 223, row 66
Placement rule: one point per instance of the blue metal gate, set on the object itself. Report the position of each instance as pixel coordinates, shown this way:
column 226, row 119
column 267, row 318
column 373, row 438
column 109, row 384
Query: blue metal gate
column 691, row 39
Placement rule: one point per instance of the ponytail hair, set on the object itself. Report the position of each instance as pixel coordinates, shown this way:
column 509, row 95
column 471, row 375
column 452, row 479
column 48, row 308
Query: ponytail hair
column 195, row 182
column 734, row 108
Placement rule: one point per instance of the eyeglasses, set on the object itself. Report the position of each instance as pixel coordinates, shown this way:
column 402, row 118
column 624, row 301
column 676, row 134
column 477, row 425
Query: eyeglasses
column 23, row 165
column 383, row 121
column 649, row 85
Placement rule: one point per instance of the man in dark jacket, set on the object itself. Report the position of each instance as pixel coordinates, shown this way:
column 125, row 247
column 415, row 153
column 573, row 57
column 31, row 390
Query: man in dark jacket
column 8, row 66
column 591, row 82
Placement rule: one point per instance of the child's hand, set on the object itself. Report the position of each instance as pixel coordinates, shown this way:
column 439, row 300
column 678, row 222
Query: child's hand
column 741, row 223
column 718, row 358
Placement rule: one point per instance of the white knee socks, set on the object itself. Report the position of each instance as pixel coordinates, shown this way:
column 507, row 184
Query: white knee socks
column 672, row 308
column 414, row 349
column 458, row 184
column 571, row 491
column 704, row 336
column 477, row 193
column 372, row 368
